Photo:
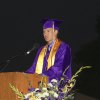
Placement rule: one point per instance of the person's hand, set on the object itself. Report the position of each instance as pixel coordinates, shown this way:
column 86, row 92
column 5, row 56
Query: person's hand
column 23, row 73
column 42, row 74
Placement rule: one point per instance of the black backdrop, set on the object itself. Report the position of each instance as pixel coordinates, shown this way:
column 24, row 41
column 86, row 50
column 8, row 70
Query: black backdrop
column 20, row 28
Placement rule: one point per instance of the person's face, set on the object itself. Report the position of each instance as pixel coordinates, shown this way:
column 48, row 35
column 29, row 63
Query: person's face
column 49, row 35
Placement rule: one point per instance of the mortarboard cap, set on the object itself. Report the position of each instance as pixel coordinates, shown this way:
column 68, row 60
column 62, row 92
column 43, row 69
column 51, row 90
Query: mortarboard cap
column 50, row 23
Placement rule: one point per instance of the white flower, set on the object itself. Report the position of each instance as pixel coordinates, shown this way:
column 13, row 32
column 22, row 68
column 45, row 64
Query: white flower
column 50, row 85
column 55, row 95
column 34, row 98
column 54, row 80
column 51, row 92
column 28, row 95
column 37, row 89
column 37, row 99
column 39, row 95
column 45, row 94
column 44, row 89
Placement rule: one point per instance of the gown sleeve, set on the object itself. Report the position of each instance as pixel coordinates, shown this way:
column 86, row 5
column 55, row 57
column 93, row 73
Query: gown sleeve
column 62, row 61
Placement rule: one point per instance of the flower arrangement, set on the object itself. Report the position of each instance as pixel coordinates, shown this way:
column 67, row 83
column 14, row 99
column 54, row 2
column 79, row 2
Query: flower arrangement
column 55, row 90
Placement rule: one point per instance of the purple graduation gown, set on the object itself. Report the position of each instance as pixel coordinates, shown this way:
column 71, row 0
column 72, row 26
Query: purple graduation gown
column 62, row 60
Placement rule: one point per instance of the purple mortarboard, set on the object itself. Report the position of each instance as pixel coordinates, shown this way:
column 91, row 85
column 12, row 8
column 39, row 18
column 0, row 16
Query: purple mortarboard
column 50, row 23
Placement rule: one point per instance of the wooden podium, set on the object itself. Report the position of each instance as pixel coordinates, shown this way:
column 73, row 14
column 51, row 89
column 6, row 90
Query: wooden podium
column 20, row 81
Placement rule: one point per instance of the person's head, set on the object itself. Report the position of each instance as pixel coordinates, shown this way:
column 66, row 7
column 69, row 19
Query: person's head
column 50, row 34
column 50, row 29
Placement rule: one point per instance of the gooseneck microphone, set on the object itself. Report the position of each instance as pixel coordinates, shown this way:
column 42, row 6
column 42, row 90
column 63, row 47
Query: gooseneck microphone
column 6, row 62
column 35, row 46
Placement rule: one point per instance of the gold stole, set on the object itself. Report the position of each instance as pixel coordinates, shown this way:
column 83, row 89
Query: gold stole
column 51, row 57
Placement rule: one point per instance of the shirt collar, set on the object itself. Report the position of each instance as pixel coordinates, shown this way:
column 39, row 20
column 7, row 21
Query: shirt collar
column 50, row 45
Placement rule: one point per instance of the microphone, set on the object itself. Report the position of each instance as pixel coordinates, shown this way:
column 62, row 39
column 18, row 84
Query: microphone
column 35, row 46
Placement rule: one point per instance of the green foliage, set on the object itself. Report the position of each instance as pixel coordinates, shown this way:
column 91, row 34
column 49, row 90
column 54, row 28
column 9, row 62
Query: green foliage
column 80, row 70
column 71, row 83
column 17, row 92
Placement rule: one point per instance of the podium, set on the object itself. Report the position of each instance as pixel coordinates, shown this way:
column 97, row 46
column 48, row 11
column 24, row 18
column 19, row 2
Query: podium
column 20, row 80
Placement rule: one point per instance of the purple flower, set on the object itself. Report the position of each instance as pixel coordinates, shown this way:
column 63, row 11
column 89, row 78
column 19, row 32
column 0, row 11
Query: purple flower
column 31, row 89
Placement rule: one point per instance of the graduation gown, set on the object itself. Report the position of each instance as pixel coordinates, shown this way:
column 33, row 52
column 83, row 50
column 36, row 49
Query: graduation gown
column 62, row 61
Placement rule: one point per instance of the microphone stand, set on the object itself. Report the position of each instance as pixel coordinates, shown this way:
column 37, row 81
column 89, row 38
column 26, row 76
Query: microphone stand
column 6, row 62
column 12, row 58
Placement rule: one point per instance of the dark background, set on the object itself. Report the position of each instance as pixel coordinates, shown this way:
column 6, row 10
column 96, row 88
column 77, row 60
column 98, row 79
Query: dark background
column 20, row 28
